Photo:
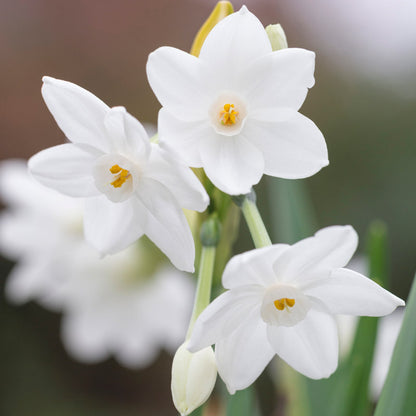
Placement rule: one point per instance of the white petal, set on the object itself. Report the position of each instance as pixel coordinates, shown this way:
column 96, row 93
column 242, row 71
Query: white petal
column 128, row 136
column 182, row 137
column 351, row 293
column 178, row 178
column 78, row 113
column 253, row 267
column 29, row 279
column 226, row 313
column 231, row 45
column 110, row 226
column 293, row 148
column 232, row 163
column 166, row 224
column 310, row 347
column 280, row 79
column 243, row 355
column 66, row 168
column 315, row 257
column 83, row 337
column 175, row 77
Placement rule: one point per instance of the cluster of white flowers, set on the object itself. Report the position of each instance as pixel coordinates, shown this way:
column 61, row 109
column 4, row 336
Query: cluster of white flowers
column 232, row 111
column 105, row 302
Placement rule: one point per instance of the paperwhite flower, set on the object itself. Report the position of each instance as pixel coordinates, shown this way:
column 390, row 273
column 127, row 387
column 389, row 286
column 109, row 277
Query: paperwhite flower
column 387, row 334
column 132, row 186
column 234, row 110
column 281, row 300
column 41, row 230
column 111, row 311
column 109, row 307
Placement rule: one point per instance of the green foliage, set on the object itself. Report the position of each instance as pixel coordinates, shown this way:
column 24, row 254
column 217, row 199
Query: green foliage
column 345, row 393
column 398, row 397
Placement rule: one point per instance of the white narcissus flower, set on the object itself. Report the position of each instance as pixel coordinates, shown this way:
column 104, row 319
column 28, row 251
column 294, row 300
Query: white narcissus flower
column 234, row 109
column 281, row 300
column 111, row 311
column 132, row 187
column 41, row 230
column 106, row 303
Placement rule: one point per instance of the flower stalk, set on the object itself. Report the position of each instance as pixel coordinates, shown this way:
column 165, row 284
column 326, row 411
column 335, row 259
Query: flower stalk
column 210, row 237
column 255, row 224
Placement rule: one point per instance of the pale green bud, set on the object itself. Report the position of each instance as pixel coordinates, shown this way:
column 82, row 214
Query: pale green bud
column 276, row 36
column 193, row 378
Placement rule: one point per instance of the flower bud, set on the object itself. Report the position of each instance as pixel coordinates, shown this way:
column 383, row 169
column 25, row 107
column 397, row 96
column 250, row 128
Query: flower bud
column 210, row 232
column 193, row 378
column 276, row 36
column 221, row 10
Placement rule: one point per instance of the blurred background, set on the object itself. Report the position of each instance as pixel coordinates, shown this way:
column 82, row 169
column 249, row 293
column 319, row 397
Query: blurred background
column 364, row 101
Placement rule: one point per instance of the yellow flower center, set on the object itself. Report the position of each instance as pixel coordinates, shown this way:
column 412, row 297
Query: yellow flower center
column 122, row 175
column 283, row 303
column 228, row 115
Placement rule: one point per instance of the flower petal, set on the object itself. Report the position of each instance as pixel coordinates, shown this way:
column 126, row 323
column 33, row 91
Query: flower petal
column 83, row 337
column 310, row 347
column 175, row 79
column 181, row 137
column 128, row 136
column 280, row 79
column 231, row 45
column 232, row 163
column 243, row 355
column 109, row 226
column 313, row 258
column 166, row 224
column 66, row 168
column 351, row 293
column 226, row 313
column 78, row 113
column 178, row 178
column 253, row 267
column 293, row 148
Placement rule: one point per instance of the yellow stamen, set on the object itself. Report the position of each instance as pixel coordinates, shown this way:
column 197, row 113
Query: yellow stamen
column 123, row 175
column 228, row 115
column 283, row 303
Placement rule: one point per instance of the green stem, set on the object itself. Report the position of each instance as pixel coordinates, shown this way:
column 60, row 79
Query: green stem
column 203, row 290
column 255, row 223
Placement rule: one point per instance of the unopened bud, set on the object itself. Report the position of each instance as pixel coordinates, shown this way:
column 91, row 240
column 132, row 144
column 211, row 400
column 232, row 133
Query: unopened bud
column 276, row 36
column 210, row 232
column 221, row 10
column 193, row 378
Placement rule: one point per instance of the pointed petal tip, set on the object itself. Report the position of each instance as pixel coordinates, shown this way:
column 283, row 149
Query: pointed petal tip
column 243, row 10
column 46, row 79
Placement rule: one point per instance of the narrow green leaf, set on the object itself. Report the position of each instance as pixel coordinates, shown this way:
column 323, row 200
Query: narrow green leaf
column 293, row 216
column 242, row 403
column 398, row 396
column 198, row 412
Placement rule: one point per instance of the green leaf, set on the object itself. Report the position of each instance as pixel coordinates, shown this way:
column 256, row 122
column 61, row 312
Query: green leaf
column 293, row 216
column 345, row 393
column 398, row 396
column 242, row 403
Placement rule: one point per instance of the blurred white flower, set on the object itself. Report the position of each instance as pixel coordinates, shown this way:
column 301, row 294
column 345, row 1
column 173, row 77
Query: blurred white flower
column 234, row 109
column 41, row 230
column 281, row 301
column 132, row 187
column 387, row 334
column 110, row 311
column 111, row 307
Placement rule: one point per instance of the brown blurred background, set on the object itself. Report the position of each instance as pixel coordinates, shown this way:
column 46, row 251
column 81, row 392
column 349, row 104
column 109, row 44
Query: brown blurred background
column 364, row 101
